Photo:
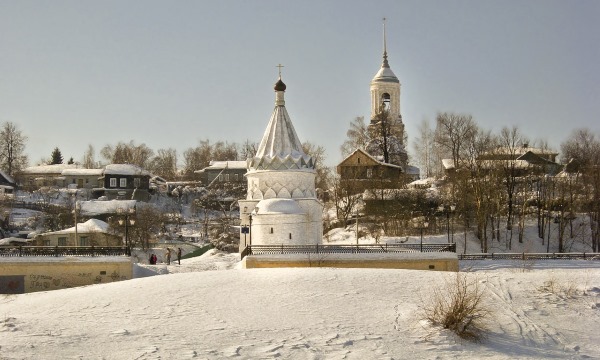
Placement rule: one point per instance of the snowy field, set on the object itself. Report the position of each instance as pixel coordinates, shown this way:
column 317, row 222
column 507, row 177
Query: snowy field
column 207, row 308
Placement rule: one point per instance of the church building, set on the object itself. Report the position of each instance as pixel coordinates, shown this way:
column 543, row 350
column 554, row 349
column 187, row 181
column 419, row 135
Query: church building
column 386, row 120
column 384, row 162
column 281, row 206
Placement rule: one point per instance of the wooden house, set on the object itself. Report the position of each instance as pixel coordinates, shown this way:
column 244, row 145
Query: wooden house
column 360, row 171
column 124, row 182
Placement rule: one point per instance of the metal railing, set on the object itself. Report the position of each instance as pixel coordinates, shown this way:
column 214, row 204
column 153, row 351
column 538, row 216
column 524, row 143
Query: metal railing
column 530, row 256
column 56, row 251
column 345, row 249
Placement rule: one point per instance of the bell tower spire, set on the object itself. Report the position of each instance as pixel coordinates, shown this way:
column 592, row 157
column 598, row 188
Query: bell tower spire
column 385, row 86
column 385, row 59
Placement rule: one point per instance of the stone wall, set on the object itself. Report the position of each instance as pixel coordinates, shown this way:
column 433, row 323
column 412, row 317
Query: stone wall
column 31, row 274
column 423, row 261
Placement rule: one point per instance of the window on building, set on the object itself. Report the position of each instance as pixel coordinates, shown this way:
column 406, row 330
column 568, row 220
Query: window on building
column 369, row 173
column 236, row 177
column 358, row 160
column 87, row 181
column 84, row 241
column 46, row 242
column 227, row 177
column 290, row 236
column 271, row 230
column 136, row 182
column 62, row 241
column 220, row 177
column 123, row 182
column 113, row 182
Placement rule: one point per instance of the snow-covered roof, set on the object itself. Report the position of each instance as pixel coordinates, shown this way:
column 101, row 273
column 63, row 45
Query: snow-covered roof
column 277, row 206
column 82, row 172
column 517, row 151
column 124, row 169
column 217, row 165
column 448, row 164
column 394, row 194
column 422, row 182
column 7, row 177
column 14, row 240
column 280, row 147
column 100, row 207
column 48, row 169
column 385, row 74
column 364, row 152
column 90, row 226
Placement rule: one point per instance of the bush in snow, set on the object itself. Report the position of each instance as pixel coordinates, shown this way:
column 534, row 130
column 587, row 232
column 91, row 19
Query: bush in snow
column 458, row 305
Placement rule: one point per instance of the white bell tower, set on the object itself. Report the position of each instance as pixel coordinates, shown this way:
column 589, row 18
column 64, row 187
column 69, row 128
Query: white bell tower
column 385, row 88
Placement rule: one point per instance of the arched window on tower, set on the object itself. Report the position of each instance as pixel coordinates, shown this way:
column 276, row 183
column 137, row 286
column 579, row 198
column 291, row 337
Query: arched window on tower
column 385, row 101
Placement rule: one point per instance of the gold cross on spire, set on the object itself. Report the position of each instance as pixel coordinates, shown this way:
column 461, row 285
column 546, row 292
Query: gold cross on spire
column 279, row 66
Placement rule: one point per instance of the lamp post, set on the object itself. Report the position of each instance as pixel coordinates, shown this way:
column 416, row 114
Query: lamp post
column 74, row 195
column 448, row 209
column 250, row 227
column 421, row 224
column 126, row 221
column 549, row 224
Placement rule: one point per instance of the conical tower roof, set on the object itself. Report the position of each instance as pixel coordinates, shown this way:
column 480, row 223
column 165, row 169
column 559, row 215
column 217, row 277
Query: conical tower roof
column 385, row 73
column 280, row 147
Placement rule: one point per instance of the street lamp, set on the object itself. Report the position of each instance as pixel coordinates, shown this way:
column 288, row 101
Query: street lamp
column 126, row 221
column 421, row 224
column 250, row 227
column 447, row 209
column 74, row 195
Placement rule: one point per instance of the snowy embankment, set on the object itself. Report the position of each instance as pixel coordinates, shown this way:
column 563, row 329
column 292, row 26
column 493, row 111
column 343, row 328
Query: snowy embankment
column 307, row 313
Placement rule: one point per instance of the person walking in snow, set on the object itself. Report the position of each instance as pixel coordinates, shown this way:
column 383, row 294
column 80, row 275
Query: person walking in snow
column 168, row 255
column 179, row 256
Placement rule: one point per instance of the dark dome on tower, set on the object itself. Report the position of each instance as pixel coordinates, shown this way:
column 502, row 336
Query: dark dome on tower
column 279, row 85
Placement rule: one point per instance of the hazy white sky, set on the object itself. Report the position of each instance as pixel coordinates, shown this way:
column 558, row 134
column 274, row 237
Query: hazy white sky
column 169, row 74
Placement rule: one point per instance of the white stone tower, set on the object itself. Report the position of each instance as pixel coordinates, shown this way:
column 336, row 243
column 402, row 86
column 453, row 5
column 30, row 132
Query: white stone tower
column 281, row 206
column 385, row 93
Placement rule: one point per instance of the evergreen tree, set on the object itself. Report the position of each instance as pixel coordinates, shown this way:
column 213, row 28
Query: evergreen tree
column 71, row 161
column 56, row 157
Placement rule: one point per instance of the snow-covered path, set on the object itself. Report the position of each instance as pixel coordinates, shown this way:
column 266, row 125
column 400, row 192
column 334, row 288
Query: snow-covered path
column 300, row 314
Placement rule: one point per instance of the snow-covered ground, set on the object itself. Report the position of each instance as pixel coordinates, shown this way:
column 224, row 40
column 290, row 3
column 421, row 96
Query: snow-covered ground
column 540, row 309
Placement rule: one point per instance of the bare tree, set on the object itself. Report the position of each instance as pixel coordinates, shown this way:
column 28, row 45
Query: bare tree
column 386, row 138
column 582, row 150
column 482, row 184
column 128, row 153
column 357, row 136
column 12, row 149
column 345, row 198
column 197, row 158
column 453, row 132
column 223, row 151
column 248, row 150
column 510, row 141
column 318, row 154
column 148, row 223
column 165, row 163
column 89, row 161
column 424, row 149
